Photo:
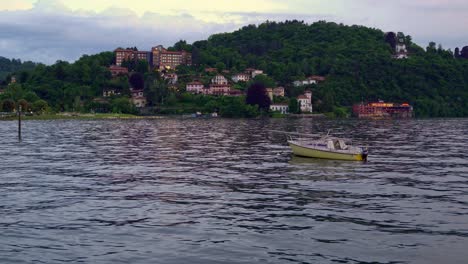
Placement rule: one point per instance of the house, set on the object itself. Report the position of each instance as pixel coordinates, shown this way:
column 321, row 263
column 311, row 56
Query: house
column 2, row 91
column 253, row 72
column 278, row 91
column 305, row 102
column 138, row 98
column 194, row 87
column 108, row 92
column 219, row 80
column 220, row 89
column 117, row 70
column 314, row 79
column 282, row 108
column 241, row 77
column 172, row 78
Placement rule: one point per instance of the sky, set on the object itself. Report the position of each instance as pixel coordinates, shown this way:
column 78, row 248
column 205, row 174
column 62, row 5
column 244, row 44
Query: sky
column 50, row 30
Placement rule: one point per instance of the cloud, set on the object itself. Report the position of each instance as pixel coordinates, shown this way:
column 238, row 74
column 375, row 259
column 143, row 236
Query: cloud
column 50, row 30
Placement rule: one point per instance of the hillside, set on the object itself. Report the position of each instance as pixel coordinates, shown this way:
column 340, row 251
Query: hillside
column 356, row 60
column 8, row 66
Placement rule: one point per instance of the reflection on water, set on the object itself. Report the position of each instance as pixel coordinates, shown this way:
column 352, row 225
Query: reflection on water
column 226, row 191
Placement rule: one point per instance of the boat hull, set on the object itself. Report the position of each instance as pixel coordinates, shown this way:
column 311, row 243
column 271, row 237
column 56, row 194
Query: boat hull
column 322, row 154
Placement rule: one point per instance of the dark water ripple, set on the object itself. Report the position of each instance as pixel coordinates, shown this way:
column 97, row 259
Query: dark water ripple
column 223, row 191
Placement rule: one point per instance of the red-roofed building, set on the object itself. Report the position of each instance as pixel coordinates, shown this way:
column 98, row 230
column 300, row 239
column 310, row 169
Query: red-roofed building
column 118, row 70
column 195, row 87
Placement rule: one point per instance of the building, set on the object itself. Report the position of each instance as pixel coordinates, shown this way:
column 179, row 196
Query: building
column 122, row 55
column 219, row 89
column 382, row 109
column 314, row 79
column 195, row 87
column 219, row 80
column 282, row 108
column 118, row 70
column 108, row 92
column 305, row 102
column 164, row 59
column 241, row 77
column 138, row 98
column 253, row 72
column 172, row 78
column 278, row 91
column 400, row 51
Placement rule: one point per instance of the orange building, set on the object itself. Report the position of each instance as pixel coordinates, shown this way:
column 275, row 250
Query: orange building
column 383, row 110
column 128, row 54
column 163, row 58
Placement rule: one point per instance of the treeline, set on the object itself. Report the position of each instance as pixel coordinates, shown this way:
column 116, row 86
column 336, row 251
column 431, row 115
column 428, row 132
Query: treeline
column 8, row 66
column 357, row 61
column 69, row 86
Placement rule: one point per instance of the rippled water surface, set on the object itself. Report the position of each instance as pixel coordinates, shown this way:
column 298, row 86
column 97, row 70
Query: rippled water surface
column 228, row 191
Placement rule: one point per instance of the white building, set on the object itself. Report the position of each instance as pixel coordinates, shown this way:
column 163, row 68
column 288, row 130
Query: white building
column 282, row 108
column 256, row 72
column 171, row 77
column 194, row 87
column 305, row 102
column 244, row 77
column 219, row 80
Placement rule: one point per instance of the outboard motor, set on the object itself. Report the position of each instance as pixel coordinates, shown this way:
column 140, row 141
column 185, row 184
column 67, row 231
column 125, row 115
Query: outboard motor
column 365, row 152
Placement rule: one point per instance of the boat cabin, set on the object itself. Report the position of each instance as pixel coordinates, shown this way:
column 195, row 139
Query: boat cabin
column 336, row 144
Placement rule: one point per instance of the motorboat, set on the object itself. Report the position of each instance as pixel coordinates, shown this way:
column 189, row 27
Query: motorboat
column 326, row 147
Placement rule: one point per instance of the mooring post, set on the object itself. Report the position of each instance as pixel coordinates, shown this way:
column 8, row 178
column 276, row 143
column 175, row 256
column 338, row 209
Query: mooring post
column 19, row 123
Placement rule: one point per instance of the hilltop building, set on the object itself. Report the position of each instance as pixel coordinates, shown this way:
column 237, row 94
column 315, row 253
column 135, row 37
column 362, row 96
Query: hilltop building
column 164, row 59
column 122, row 55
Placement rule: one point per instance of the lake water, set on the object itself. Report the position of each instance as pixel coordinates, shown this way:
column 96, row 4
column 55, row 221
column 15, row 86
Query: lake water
column 228, row 191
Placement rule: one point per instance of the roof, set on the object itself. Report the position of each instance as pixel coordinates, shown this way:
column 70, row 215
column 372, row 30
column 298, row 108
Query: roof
column 317, row 78
column 302, row 97
column 195, row 83
column 279, row 104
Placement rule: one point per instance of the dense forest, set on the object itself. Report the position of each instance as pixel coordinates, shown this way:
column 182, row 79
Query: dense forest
column 8, row 66
column 356, row 60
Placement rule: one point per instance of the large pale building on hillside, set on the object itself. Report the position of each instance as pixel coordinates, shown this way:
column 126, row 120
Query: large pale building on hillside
column 163, row 59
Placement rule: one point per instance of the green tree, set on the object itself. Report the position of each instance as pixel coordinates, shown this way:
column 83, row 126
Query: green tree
column 294, row 106
column 39, row 107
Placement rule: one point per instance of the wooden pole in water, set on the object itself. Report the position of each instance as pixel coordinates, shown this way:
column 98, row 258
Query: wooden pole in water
column 19, row 123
